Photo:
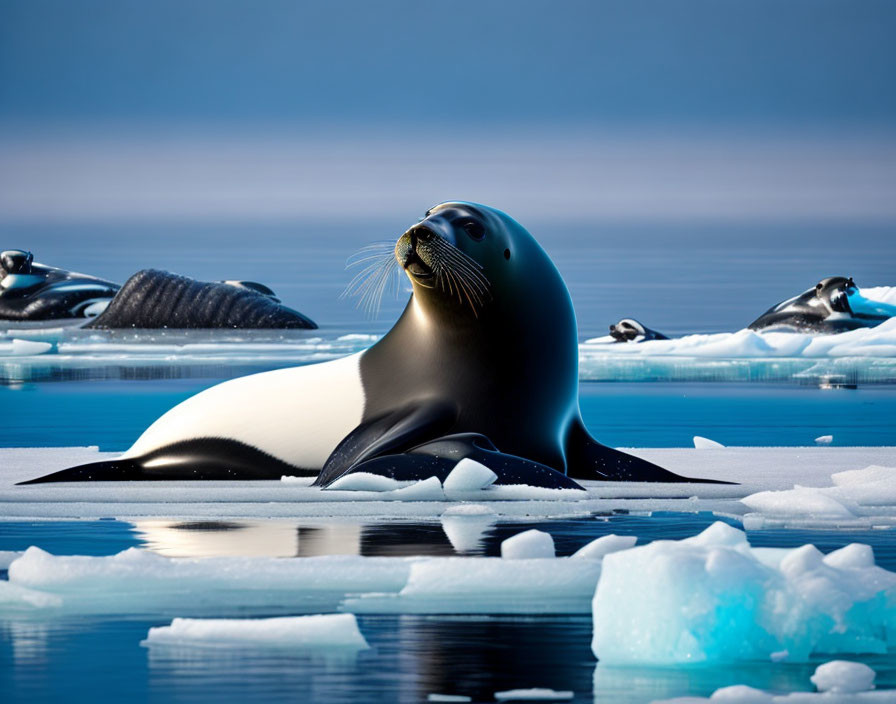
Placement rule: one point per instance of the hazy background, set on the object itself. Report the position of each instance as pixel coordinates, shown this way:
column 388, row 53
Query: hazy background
column 690, row 161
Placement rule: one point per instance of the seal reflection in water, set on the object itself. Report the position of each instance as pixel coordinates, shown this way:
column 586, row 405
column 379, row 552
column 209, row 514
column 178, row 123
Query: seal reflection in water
column 483, row 363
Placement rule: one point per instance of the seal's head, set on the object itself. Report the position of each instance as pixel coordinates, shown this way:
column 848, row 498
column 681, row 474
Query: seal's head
column 834, row 291
column 15, row 261
column 471, row 260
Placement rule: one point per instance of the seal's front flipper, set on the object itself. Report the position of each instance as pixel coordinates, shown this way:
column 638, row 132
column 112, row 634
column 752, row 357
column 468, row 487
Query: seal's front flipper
column 438, row 457
column 588, row 459
column 392, row 433
column 203, row 458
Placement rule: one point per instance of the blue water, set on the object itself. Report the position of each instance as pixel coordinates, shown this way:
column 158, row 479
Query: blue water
column 112, row 414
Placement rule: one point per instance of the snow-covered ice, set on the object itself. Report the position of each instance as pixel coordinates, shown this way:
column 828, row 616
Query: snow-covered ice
column 468, row 475
column 318, row 631
column 843, row 676
column 824, row 439
column 597, row 549
column 435, row 697
column 530, row 544
column 712, row 598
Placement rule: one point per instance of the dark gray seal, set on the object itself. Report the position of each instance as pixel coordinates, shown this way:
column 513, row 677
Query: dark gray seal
column 630, row 330
column 153, row 299
column 35, row 292
column 483, row 363
column 833, row 305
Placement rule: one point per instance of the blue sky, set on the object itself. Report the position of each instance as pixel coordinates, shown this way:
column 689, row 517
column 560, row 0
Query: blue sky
column 772, row 63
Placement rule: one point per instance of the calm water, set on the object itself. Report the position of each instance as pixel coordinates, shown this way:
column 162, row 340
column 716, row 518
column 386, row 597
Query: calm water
column 676, row 278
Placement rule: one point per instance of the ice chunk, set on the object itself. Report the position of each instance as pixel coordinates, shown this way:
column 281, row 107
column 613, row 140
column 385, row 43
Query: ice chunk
column 741, row 694
column 24, row 348
column 529, row 544
column 364, row 481
column 7, row 557
column 426, row 490
column 305, row 632
column 297, row 481
column 852, row 555
column 448, row 698
column 469, row 475
column 596, row 549
column 536, row 694
column 843, row 676
column 713, row 598
column 824, row 439
column 797, row 502
column 702, row 443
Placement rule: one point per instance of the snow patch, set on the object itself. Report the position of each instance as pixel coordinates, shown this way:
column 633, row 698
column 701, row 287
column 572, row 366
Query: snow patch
column 702, row 443
column 843, row 676
column 527, row 545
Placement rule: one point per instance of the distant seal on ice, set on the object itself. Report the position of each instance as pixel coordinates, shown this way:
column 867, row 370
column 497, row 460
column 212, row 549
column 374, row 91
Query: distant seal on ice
column 483, row 363
column 153, row 299
column 630, row 330
column 34, row 292
column 833, row 305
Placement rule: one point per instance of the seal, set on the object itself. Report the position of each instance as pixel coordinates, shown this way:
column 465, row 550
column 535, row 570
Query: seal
column 153, row 299
column 30, row 291
column 833, row 305
column 483, row 363
column 630, row 330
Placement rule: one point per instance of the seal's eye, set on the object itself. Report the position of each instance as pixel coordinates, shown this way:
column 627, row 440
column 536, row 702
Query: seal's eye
column 474, row 229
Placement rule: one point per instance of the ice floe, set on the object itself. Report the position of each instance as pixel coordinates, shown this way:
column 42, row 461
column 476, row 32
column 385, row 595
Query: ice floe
column 468, row 475
column 863, row 355
column 712, row 598
column 838, row 682
column 318, row 631
column 534, row 694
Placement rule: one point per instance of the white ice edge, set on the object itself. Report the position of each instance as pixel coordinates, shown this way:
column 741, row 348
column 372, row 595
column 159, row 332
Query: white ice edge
column 318, row 631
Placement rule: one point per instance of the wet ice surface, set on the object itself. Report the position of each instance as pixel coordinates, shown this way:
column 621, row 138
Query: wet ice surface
column 831, row 492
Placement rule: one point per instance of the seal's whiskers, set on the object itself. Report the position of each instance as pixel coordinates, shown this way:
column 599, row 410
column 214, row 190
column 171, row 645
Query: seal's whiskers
column 459, row 274
column 378, row 268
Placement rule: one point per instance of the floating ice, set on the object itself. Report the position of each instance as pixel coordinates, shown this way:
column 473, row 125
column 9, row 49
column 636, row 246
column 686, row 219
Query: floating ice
column 448, row 698
column 702, row 443
column 597, row 549
column 294, row 632
column 712, row 598
column 24, row 348
column 527, row 545
column 137, row 581
column 426, row 490
column 824, row 439
column 843, row 676
column 468, row 475
column 536, row 694
column 838, row 682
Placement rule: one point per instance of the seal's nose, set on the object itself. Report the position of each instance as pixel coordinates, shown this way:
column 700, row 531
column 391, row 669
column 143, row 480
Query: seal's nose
column 420, row 233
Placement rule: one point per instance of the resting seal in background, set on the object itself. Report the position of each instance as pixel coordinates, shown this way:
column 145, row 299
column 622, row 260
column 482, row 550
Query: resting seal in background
column 483, row 363
column 158, row 299
column 833, row 305
column 630, row 330
column 32, row 291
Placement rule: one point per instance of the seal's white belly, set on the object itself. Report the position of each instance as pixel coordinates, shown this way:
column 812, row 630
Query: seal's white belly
column 298, row 415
